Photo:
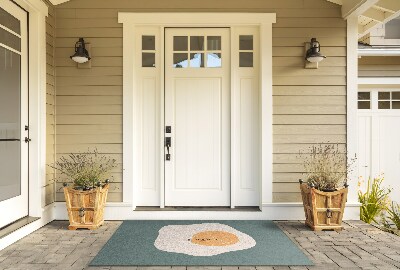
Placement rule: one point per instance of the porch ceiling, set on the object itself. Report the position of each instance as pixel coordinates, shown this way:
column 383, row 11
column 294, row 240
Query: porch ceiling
column 371, row 13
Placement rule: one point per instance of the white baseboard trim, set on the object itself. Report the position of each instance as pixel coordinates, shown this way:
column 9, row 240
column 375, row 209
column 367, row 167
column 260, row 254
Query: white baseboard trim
column 47, row 216
column 270, row 211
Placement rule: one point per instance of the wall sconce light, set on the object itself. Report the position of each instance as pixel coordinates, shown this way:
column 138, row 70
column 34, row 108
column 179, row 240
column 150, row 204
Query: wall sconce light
column 81, row 54
column 313, row 55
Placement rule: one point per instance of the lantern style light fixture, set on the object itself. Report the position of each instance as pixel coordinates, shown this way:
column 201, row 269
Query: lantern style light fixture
column 81, row 54
column 313, row 54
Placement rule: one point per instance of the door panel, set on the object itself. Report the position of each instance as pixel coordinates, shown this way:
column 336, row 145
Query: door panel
column 197, row 107
column 13, row 113
column 198, row 133
column 389, row 153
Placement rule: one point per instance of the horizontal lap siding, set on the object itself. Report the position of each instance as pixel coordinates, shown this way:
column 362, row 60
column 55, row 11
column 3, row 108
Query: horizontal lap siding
column 309, row 104
column 379, row 66
column 49, row 187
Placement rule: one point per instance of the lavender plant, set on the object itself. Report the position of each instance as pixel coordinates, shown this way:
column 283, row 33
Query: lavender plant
column 85, row 169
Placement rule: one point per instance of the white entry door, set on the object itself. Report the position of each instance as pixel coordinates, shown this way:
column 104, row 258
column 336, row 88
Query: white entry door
column 13, row 113
column 197, row 110
column 379, row 136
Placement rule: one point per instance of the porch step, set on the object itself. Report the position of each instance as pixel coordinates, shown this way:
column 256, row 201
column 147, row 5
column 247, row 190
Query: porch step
column 182, row 208
column 16, row 225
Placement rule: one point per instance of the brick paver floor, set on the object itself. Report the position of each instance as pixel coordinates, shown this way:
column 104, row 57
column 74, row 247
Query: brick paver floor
column 358, row 246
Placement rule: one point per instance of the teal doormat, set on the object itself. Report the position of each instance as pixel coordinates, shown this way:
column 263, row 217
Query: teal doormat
column 195, row 243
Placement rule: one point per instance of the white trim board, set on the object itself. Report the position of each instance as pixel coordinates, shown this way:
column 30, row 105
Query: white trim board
column 270, row 211
column 378, row 80
column 132, row 146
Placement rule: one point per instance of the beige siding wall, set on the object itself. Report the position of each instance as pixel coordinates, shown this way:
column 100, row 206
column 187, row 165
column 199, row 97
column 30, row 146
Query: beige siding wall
column 309, row 105
column 50, row 105
column 379, row 66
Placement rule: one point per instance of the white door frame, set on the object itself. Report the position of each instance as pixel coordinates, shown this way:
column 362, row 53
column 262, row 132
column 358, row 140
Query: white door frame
column 37, row 12
column 131, row 119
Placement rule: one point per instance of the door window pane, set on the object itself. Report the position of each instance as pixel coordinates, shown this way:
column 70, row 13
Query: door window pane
column 214, row 60
column 383, row 105
column 384, row 95
column 196, row 43
column 364, row 105
column 180, row 60
column 10, row 40
column 10, row 123
column 197, row 60
column 9, row 21
column 396, row 95
column 245, row 59
column 148, row 59
column 364, row 95
column 148, row 43
column 180, row 43
column 396, row 105
column 246, row 42
column 214, row 43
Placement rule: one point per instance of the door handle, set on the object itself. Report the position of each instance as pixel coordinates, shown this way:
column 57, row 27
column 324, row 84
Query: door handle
column 10, row 140
column 168, row 145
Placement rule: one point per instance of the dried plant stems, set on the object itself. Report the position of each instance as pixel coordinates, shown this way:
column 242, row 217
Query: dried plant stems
column 325, row 167
column 85, row 169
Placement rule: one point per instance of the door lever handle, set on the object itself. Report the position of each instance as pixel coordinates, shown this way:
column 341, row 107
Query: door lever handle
column 168, row 145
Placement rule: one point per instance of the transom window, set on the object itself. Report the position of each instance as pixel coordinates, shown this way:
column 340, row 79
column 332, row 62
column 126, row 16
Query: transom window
column 197, row 52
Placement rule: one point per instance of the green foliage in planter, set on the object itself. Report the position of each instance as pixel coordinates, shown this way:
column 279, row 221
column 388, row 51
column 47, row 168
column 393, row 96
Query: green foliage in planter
column 326, row 167
column 85, row 169
column 374, row 200
column 393, row 214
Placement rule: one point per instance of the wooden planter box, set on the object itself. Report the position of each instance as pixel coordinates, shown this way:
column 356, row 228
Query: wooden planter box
column 323, row 210
column 86, row 208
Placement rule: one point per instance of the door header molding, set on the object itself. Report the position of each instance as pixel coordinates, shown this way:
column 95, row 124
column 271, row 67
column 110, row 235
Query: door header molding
column 205, row 19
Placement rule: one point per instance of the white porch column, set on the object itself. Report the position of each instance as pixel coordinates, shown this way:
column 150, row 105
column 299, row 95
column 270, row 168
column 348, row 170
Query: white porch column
column 352, row 87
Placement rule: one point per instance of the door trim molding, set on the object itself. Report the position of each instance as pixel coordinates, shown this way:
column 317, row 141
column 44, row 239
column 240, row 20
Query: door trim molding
column 37, row 12
column 131, row 146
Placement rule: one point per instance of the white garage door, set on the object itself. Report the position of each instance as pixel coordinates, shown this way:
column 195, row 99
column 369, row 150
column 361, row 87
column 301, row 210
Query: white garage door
column 379, row 136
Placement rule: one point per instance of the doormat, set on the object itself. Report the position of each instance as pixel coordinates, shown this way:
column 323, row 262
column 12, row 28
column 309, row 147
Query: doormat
column 195, row 243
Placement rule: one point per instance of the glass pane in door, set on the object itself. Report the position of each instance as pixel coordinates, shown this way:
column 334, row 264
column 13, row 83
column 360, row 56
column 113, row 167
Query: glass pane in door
column 10, row 124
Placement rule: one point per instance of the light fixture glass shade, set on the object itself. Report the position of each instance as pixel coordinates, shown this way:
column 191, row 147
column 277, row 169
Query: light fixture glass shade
column 79, row 59
column 313, row 54
column 81, row 54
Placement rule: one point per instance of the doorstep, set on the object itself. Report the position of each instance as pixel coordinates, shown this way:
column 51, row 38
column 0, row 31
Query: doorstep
column 9, row 229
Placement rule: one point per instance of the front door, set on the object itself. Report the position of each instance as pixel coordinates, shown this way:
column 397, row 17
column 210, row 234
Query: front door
column 197, row 117
column 13, row 113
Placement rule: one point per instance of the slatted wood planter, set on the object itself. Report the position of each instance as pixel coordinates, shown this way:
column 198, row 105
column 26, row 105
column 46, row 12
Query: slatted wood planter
column 323, row 210
column 86, row 208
